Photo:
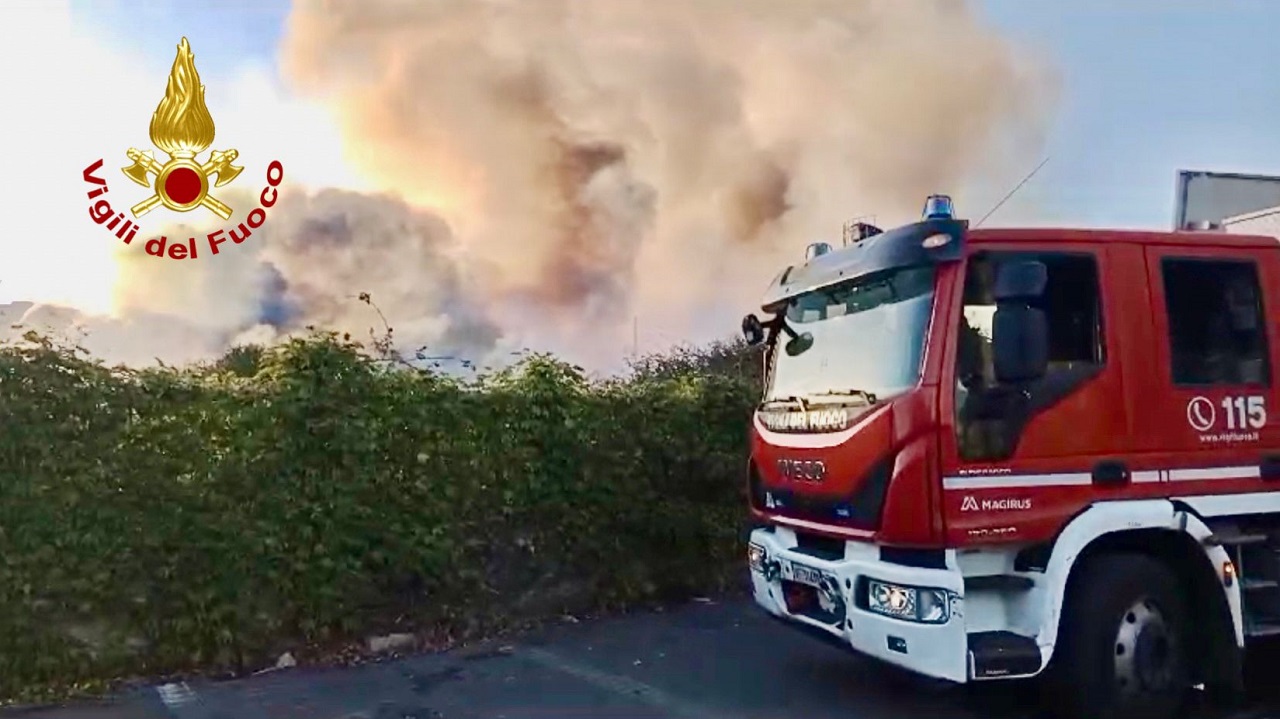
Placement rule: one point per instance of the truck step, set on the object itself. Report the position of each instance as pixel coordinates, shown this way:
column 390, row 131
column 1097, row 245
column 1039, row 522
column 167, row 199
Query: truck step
column 1003, row 655
column 1250, row 584
column 1233, row 539
column 1269, row 628
column 998, row 582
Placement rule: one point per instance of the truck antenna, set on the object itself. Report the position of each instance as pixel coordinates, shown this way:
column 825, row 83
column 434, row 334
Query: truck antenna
column 1013, row 191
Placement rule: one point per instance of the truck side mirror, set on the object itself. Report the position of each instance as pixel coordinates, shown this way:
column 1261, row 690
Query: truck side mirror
column 1020, row 331
column 798, row 344
column 752, row 330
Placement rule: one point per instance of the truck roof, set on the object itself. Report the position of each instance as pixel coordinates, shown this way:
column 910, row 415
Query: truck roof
column 1188, row 238
column 901, row 246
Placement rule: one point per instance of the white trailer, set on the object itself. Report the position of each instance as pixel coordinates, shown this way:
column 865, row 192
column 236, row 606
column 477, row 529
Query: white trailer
column 1262, row 222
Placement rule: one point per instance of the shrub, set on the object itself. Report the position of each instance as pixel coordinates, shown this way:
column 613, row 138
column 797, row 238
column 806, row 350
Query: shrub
column 209, row 518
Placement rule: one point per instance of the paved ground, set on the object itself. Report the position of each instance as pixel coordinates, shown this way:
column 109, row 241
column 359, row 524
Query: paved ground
column 702, row 661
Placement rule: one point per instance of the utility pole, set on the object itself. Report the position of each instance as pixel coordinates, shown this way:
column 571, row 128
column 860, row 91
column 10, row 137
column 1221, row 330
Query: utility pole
column 635, row 335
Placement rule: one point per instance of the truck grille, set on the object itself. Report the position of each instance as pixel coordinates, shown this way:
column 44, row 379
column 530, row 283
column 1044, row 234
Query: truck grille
column 860, row 510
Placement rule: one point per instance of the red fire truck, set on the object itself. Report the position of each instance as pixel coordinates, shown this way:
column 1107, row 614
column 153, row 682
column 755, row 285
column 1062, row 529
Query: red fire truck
column 988, row 454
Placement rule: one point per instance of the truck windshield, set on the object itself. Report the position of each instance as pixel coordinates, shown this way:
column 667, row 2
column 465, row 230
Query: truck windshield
column 868, row 335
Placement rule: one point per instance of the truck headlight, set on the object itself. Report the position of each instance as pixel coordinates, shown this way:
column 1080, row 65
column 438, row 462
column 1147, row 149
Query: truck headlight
column 915, row 604
column 755, row 557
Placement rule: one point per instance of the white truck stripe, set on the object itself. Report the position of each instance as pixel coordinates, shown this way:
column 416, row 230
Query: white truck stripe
column 1075, row 479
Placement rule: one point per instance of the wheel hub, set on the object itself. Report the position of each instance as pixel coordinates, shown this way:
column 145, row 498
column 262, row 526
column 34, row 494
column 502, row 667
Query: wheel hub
column 1145, row 650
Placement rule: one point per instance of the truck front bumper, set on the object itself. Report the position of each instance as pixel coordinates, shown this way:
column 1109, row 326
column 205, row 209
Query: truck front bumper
column 911, row 617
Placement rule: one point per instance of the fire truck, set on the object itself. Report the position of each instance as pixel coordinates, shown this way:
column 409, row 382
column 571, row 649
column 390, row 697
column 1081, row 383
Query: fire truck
column 993, row 454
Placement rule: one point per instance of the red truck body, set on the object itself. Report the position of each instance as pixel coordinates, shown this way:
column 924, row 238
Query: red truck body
column 1131, row 411
column 1116, row 412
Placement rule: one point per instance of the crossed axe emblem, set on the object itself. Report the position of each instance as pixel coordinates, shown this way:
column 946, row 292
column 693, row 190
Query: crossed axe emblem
column 182, row 184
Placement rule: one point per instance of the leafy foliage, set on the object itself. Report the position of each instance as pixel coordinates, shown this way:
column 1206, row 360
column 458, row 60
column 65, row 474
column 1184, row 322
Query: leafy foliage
column 165, row 520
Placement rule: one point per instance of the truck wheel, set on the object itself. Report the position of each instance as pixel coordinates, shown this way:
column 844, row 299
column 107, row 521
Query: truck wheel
column 1122, row 642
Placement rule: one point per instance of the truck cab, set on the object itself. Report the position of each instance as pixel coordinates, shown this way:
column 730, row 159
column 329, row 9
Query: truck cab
column 986, row 454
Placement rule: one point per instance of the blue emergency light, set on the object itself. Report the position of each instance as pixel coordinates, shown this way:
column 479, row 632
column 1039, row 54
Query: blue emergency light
column 815, row 250
column 938, row 207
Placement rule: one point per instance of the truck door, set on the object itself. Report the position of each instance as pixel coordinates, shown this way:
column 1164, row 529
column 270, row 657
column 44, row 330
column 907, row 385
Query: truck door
column 1017, row 458
column 1210, row 398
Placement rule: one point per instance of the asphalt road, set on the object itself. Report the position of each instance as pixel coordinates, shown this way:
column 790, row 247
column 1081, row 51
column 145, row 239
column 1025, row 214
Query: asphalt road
column 700, row 661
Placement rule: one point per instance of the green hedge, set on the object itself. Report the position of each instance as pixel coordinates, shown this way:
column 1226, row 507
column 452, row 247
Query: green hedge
column 209, row 518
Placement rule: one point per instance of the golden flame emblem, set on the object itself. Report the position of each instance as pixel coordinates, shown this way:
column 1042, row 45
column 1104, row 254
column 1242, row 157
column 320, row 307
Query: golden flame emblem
column 182, row 127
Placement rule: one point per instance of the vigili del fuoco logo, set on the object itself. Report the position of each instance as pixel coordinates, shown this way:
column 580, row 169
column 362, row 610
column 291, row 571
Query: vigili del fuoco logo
column 182, row 128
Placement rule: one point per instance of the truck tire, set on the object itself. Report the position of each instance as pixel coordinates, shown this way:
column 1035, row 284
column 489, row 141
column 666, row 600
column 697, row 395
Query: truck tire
column 1122, row 642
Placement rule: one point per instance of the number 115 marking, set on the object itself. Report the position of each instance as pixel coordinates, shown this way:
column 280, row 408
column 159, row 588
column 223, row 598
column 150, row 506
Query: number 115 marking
column 1245, row 412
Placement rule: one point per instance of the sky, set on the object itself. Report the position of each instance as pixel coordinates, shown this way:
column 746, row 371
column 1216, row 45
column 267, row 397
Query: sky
column 1149, row 87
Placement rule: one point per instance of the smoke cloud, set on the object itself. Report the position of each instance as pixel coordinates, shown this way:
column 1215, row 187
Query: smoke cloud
column 307, row 265
column 611, row 159
column 551, row 170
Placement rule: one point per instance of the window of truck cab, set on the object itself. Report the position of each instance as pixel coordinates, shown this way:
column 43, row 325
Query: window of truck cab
column 868, row 335
column 989, row 415
column 1216, row 321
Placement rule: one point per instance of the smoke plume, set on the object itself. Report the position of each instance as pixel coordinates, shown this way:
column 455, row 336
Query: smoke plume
column 610, row 159
column 308, row 265
column 551, row 170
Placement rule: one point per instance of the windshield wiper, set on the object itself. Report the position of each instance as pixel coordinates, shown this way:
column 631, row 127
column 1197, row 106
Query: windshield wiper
column 802, row 402
column 794, row 399
column 864, row 395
